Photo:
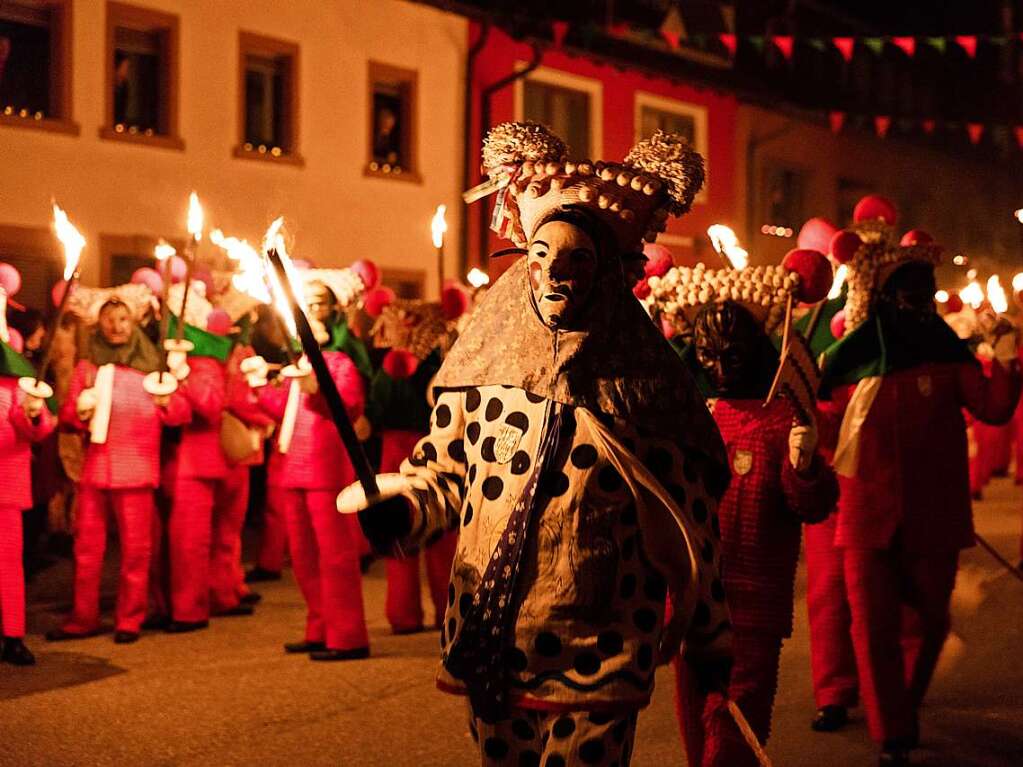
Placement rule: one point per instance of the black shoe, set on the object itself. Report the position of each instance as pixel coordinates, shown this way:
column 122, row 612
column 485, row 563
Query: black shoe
column 61, row 635
column 183, row 627
column 238, row 609
column 126, row 637
column 830, row 719
column 356, row 653
column 365, row 561
column 300, row 647
column 398, row 632
column 16, row 653
column 259, row 575
column 893, row 754
column 156, row 622
column 252, row 598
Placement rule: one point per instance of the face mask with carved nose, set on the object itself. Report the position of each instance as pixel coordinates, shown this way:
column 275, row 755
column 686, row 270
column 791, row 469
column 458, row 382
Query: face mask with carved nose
column 562, row 266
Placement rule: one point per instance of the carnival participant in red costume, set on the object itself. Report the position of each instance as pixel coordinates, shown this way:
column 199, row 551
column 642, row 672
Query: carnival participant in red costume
column 308, row 467
column 779, row 480
column 122, row 422
column 898, row 382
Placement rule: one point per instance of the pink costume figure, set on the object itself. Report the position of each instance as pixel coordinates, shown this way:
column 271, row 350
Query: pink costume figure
column 304, row 483
column 17, row 433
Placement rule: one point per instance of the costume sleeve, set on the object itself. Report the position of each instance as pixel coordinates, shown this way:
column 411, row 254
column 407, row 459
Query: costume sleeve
column 28, row 430
column 243, row 403
column 205, row 392
column 273, row 398
column 813, row 496
column 349, row 384
column 829, row 419
column 991, row 399
column 177, row 411
column 81, row 378
column 436, row 472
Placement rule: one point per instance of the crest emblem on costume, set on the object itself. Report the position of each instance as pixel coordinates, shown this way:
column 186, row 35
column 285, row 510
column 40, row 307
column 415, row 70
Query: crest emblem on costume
column 923, row 383
column 743, row 462
column 507, row 442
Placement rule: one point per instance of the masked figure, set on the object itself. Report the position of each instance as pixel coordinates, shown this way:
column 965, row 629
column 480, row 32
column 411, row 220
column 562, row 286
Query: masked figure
column 572, row 453
column 898, row 382
column 779, row 481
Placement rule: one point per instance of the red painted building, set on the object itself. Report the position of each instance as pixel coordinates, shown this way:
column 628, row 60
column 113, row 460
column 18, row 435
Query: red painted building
column 601, row 110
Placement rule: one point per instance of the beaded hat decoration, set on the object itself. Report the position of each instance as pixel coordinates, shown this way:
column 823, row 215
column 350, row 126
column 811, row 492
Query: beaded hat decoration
column 85, row 302
column 419, row 326
column 527, row 166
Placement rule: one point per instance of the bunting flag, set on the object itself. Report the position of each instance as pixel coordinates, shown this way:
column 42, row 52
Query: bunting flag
column 757, row 41
column 785, row 44
column 968, row 43
column 558, row 31
column 928, row 126
column 906, row 44
column 975, row 131
column 875, row 44
column 846, row 46
column 881, row 124
column 836, row 120
column 938, row 43
column 1018, row 130
column 731, row 42
column 673, row 28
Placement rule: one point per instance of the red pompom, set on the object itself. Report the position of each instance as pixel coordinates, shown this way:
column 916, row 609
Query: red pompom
column 10, row 278
column 454, row 301
column 178, row 269
column 838, row 324
column 368, row 272
column 844, row 246
column 816, row 234
column 149, row 277
column 667, row 328
column 815, row 273
column 873, row 207
column 659, row 260
column 15, row 341
column 375, row 300
column 641, row 289
column 398, row 363
column 916, row 237
column 954, row 304
column 219, row 322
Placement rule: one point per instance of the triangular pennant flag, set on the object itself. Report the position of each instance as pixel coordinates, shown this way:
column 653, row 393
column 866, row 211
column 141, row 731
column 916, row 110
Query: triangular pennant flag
column 937, row 43
column 928, row 126
column 784, row 43
column 757, row 41
column 905, row 124
column 673, row 28
column 730, row 42
column 875, row 44
column 906, row 44
column 1018, row 130
column 618, row 29
column 998, row 40
column 836, row 120
column 976, row 132
column 698, row 40
column 817, row 43
column 558, row 30
column 881, row 124
column 846, row 46
column 968, row 43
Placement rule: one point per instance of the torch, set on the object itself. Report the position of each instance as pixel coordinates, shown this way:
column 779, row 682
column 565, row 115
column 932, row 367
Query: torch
column 437, row 227
column 178, row 348
column 73, row 243
column 284, row 273
column 726, row 245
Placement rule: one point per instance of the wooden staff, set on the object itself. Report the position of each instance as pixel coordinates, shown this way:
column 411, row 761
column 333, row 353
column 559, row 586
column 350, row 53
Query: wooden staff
column 786, row 331
column 998, row 557
column 44, row 366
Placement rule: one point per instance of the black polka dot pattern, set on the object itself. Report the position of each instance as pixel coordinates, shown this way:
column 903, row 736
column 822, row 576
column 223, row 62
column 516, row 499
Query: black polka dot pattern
column 555, row 484
column 456, row 450
column 518, row 661
column 707, row 552
column 467, row 515
column 655, row 588
column 609, row 479
column 586, row 663
column 592, row 751
column 627, row 587
column 495, row 748
column 547, row 644
column 645, row 657
column 522, row 729
column 658, row 460
column 494, row 409
column 451, row 594
column 520, row 462
column 472, row 431
column 464, row 603
column 529, row 759
column 678, row 493
column 536, row 399
column 610, row 642
column 472, row 400
column 487, row 450
column 717, row 591
column 492, row 488
column 700, row 510
column 701, row 615
column 584, row 457
column 645, row 619
column 555, row 760
column 518, row 420
column 563, row 728
column 442, row 416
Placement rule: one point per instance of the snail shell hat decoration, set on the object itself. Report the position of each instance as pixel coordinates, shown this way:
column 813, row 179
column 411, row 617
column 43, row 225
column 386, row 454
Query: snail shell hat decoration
column 528, row 165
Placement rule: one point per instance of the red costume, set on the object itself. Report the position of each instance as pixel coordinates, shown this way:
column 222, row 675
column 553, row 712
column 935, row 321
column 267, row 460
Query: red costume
column 118, row 476
column 304, row 483
column 761, row 516
column 17, row 433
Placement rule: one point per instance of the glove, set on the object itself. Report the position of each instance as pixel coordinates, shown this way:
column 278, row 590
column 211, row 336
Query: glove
column 85, row 405
column 802, row 446
column 1006, row 348
column 255, row 369
column 386, row 522
column 32, row 406
column 177, row 363
column 308, row 384
column 711, row 674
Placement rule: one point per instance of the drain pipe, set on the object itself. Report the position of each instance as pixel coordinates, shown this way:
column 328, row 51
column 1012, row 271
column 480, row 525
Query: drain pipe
column 467, row 148
column 487, row 97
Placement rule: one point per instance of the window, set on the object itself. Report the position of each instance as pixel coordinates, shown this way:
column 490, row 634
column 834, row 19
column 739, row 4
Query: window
column 784, row 196
column 689, row 120
column 392, row 122
column 406, row 283
column 37, row 254
column 567, row 104
column 142, row 76
column 268, row 99
column 35, row 64
column 121, row 255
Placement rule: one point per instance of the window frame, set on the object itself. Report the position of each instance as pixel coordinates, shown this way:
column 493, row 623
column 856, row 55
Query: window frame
column 142, row 245
column 409, row 78
column 561, row 79
column 255, row 44
column 394, row 276
column 698, row 112
column 41, row 245
column 61, row 77
column 146, row 19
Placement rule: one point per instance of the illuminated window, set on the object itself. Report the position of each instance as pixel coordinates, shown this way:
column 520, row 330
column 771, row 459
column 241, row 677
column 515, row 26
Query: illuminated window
column 121, row 255
column 568, row 104
column 268, row 90
column 655, row 112
column 35, row 64
column 38, row 256
column 392, row 122
column 142, row 76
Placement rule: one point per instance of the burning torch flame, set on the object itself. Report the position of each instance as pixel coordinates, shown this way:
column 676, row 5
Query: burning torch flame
column 1017, row 282
column 836, row 285
column 274, row 240
column 249, row 278
column 163, row 251
column 195, row 217
column 727, row 244
column 996, row 295
column 972, row 294
column 70, row 238
column 438, row 226
column 477, row 278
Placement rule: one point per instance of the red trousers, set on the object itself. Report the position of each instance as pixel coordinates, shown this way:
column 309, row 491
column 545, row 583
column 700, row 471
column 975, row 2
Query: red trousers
column 189, row 532
column 832, row 661
column 230, row 503
column 133, row 510
column 404, row 607
column 709, row 733
column 273, row 540
column 12, row 573
column 900, row 618
column 325, row 559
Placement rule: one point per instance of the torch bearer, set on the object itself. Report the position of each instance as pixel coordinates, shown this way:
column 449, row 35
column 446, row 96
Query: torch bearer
column 280, row 263
column 73, row 243
column 178, row 348
column 437, row 227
